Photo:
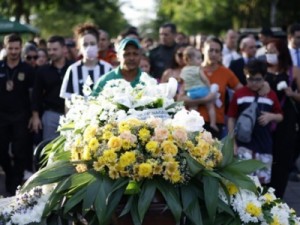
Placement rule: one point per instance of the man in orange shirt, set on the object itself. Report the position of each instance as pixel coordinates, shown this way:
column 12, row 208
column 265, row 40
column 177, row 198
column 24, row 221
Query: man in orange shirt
column 105, row 52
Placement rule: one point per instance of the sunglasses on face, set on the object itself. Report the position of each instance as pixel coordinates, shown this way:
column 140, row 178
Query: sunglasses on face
column 33, row 57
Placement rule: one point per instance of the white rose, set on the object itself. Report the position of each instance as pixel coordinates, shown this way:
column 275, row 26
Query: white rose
column 190, row 120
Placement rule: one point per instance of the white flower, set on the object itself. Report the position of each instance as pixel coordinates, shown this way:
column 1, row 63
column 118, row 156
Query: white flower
column 281, row 85
column 190, row 120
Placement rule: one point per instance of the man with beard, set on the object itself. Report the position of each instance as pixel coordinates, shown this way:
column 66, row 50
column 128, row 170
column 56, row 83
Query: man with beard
column 129, row 55
column 16, row 78
column 46, row 100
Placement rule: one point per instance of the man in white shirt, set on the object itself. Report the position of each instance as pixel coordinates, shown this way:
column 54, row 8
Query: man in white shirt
column 229, row 52
column 294, row 43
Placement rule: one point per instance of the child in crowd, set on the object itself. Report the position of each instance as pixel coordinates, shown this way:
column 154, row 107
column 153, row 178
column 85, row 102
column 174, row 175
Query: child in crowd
column 145, row 64
column 196, row 83
column 268, row 110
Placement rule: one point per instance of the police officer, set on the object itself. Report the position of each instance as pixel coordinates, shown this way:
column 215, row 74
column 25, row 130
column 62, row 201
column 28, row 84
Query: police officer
column 16, row 78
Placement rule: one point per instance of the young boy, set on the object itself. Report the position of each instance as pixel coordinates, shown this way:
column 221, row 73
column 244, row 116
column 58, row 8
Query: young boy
column 196, row 83
column 260, row 146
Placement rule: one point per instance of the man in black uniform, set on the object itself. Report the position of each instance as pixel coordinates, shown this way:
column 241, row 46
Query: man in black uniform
column 45, row 96
column 161, row 56
column 16, row 80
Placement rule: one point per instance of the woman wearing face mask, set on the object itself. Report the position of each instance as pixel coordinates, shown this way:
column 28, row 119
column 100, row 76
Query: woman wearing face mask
column 89, row 66
column 280, row 70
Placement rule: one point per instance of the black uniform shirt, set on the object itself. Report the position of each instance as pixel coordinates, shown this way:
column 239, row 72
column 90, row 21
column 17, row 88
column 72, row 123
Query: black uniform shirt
column 46, row 89
column 15, row 98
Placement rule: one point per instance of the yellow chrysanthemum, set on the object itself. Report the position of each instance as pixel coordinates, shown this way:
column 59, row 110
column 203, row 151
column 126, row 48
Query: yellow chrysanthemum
column 232, row 189
column 127, row 159
column 109, row 156
column 169, row 148
column 98, row 166
column 126, row 144
column 107, row 135
column 74, row 155
column 115, row 143
column 253, row 210
column 89, row 132
column 144, row 134
column 86, row 155
column 93, row 144
column 80, row 168
column 145, row 170
column 123, row 126
column 176, row 177
column 152, row 146
column 172, row 167
column 113, row 173
column 157, row 169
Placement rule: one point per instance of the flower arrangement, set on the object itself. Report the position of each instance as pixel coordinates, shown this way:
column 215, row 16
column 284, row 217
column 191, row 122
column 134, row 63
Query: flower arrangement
column 260, row 207
column 128, row 144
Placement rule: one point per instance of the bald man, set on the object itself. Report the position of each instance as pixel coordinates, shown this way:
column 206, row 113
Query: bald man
column 229, row 52
column 248, row 51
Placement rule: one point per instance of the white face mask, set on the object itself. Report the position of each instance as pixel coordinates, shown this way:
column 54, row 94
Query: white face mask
column 272, row 59
column 90, row 52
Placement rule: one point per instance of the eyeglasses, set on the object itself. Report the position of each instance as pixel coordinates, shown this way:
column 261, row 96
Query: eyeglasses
column 31, row 57
column 179, row 54
column 257, row 79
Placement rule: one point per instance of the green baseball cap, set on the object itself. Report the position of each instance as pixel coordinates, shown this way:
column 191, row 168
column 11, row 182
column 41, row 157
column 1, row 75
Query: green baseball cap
column 126, row 41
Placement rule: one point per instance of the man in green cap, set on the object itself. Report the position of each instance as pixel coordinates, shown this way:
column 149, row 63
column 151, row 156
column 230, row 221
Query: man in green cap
column 129, row 54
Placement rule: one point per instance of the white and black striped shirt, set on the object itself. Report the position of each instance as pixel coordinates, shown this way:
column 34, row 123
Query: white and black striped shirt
column 77, row 74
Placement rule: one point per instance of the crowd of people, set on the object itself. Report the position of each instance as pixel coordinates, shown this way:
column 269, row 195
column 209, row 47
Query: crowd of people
column 218, row 78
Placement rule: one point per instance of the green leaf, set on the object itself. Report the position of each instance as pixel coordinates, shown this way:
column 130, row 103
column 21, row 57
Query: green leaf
column 127, row 207
column 134, row 212
column 194, row 166
column 239, row 179
column 211, row 194
column 171, row 195
column 227, row 150
column 145, row 198
column 190, row 204
column 246, row 166
column 90, row 196
column 54, row 172
column 74, row 200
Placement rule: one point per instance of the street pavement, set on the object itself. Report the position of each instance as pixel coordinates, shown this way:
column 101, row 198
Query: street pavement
column 291, row 196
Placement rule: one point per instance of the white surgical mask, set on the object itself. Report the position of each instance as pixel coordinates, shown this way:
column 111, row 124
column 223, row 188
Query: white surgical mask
column 272, row 58
column 90, row 52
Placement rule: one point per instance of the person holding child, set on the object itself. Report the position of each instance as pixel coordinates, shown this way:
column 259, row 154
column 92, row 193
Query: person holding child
column 196, row 83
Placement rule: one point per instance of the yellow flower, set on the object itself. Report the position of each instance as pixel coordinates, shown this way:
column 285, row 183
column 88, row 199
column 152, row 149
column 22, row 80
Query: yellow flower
column 253, row 210
column 123, row 126
column 171, row 167
column 269, row 197
column 89, row 132
column 232, row 189
column 144, row 134
column 107, row 135
column 152, row 146
column 93, row 144
column 113, row 173
column 176, row 177
column 145, row 170
column 80, row 168
column 86, row 155
column 126, row 144
column 127, row 159
column 98, row 166
column 275, row 221
column 169, row 148
column 115, row 143
column 109, row 156
column 157, row 169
